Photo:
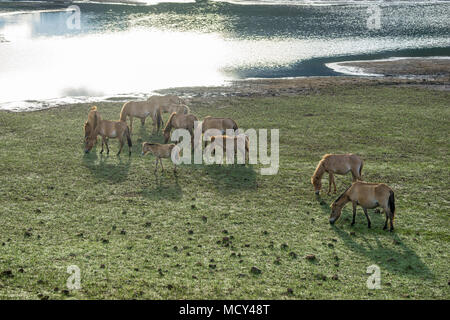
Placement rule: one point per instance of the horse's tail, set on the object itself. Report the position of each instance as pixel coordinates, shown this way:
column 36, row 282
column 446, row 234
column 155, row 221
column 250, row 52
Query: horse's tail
column 127, row 133
column 391, row 203
column 123, row 112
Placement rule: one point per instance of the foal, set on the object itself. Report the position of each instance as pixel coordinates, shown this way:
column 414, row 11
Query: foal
column 368, row 196
column 336, row 164
column 160, row 151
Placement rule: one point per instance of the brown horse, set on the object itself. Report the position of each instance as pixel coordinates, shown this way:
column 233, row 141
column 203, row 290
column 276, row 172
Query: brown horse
column 168, row 104
column 221, row 124
column 180, row 121
column 336, row 164
column 368, row 196
column 159, row 151
column 95, row 126
column 141, row 110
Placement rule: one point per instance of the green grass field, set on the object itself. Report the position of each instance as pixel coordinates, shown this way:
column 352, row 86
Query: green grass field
column 197, row 235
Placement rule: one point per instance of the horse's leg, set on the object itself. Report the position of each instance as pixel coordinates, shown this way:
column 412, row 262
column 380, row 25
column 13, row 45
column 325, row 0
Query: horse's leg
column 156, row 164
column 334, row 182
column 107, row 146
column 121, row 145
column 354, row 212
column 155, row 124
column 387, row 218
column 355, row 175
column 103, row 141
column 367, row 217
column 143, row 121
column 162, row 167
column 330, row 179
column 131, row 124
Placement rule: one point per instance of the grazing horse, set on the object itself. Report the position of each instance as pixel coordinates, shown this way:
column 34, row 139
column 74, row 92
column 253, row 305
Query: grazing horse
column 336, row 164
column 141, row 110
column 95, row 126
column 218, row 123
column 180, row 121
column 240, row 143
column 160, row 151
column 368, row 196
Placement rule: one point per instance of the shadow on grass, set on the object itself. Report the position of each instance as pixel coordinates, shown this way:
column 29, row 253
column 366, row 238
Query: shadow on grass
column 162, row 187
column 107, row 167
column 386, row 250
column 231, row 178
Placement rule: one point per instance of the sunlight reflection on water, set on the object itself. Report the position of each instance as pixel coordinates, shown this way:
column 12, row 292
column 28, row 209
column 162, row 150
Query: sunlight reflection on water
column 40, row 59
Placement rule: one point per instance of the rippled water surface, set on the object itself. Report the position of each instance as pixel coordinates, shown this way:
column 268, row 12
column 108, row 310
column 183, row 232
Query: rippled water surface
column 131, row 50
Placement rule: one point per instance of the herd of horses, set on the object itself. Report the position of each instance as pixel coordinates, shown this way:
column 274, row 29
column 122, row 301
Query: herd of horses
column 367, row 195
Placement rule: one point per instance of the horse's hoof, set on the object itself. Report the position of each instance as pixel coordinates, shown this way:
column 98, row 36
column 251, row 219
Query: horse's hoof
column 368, row 226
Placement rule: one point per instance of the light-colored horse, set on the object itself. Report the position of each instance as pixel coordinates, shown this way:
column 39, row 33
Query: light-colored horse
column 336, row 164
column 141, row 110
column 368, row 196
column 95, row 126
column 180, row 121
column 221, row 124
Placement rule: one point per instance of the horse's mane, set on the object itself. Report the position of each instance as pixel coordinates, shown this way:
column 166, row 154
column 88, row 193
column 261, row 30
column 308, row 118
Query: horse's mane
column 343, row 193
column 123, row 114
column 319, row 169
column 93, row 121
column 169, row 124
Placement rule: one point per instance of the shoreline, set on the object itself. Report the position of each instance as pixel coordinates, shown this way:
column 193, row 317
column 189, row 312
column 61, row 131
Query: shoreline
column 274, row 87
column 431, row 72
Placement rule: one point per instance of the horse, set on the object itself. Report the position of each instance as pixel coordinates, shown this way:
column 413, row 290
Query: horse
column 218, row 123
column 142, row 109
column 225, row 140
column 368, row 196
column 178, row 108
column 180, row 121
column 336, row 164
column 160, row 151
column 95, row 126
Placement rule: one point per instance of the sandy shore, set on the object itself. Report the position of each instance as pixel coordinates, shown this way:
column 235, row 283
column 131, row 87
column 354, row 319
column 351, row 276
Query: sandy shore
column 409, row 67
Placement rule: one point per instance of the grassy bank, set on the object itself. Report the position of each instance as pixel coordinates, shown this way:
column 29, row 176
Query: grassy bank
column 197, row 235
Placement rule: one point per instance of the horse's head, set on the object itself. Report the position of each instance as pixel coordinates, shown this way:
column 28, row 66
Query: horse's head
column 317, row 183
column 145, row 148
column 89, row 138
column 336, row 211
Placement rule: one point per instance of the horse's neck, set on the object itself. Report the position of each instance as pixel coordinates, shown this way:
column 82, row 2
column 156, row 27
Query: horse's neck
column 342, row 201
column 319, row 171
